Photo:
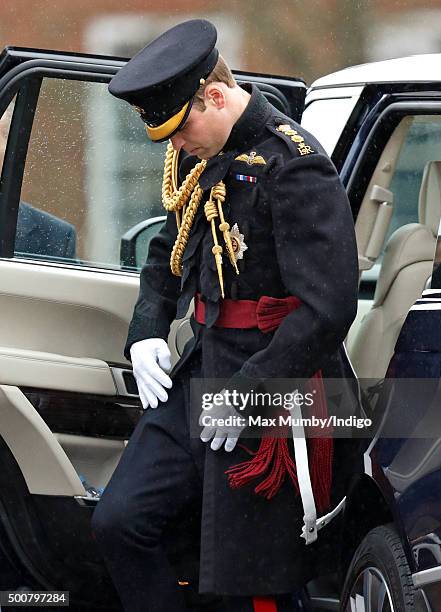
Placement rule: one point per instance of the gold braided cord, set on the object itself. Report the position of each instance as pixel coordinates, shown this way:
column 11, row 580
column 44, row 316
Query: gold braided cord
column 219, row 193
column 174, row 173
column 184, row 202
column 184, row 232
column 174, row 199
column 174, row 179
column 211, row 212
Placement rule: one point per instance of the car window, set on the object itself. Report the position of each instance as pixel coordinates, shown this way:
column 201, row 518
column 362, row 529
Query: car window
column 421, row 145
column 91, row 174
column 5, row 124
column 326, row 117
column 396, row 228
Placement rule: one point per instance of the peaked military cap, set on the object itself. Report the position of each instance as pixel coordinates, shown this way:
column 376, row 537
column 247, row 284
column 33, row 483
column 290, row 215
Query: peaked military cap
column 162, row 79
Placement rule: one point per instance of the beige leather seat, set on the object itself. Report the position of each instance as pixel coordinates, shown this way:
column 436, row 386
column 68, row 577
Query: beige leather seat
column 406, row 266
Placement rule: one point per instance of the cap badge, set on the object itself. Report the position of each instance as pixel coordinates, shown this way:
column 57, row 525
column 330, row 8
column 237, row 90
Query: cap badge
column 138, row 109
column 251, row 159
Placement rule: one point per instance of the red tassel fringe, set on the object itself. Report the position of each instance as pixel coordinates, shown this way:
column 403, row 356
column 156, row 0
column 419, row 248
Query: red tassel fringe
column 273, row 459
column 273, row 455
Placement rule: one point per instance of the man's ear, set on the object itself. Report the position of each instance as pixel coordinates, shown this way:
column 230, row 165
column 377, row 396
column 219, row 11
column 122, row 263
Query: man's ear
column 214, row 95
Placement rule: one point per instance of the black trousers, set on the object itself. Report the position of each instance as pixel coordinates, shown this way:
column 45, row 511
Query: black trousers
column 147, row 523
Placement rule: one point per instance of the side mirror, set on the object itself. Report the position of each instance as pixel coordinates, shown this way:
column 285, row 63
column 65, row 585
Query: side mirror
column 136, row 241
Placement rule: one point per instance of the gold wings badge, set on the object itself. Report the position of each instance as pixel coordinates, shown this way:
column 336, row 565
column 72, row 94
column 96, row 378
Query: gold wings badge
column 251, row 159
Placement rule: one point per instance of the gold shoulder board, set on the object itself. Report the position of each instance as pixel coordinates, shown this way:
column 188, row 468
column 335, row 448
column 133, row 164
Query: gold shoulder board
column 302, row 147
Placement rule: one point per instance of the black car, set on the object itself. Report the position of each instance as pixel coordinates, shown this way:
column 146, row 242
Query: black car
column 381, row 123
column 67, row 395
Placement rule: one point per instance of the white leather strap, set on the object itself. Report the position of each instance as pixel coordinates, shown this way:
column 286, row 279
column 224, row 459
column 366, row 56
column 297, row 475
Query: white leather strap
column 309, row 531
column 311, row 524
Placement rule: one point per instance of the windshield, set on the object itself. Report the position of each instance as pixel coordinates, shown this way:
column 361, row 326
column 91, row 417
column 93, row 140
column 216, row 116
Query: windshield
column 325, row 118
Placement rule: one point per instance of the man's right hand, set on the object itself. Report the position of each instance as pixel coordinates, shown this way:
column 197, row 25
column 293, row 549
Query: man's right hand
column 151, row 359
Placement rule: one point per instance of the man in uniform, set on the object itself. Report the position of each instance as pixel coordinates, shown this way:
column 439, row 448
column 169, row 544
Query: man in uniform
column 260, row 234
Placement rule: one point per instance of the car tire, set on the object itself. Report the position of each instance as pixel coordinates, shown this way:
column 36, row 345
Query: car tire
column 379, row 577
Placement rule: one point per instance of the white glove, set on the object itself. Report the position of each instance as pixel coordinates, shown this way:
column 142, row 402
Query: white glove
column 210, row 419
column 151, row 360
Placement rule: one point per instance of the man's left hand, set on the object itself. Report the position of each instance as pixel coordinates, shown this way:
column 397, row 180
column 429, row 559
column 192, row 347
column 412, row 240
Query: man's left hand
column 219, row 432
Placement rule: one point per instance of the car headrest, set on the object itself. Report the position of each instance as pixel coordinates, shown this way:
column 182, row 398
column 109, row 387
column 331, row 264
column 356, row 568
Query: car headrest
column 429, row 205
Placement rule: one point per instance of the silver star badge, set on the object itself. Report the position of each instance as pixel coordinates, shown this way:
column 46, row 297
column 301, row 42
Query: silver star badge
column 237, row 241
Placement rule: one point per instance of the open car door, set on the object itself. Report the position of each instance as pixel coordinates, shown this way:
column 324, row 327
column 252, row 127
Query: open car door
column 79, row 201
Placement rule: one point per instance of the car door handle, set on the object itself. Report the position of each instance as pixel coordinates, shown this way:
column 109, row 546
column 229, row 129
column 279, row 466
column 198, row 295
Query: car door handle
column 125, row 381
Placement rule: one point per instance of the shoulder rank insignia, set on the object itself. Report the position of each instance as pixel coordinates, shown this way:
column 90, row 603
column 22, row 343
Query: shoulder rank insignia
column 251, row 159
column 302, row 147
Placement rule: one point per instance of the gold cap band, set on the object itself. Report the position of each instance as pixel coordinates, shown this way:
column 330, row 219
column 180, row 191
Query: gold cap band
column 160, row 132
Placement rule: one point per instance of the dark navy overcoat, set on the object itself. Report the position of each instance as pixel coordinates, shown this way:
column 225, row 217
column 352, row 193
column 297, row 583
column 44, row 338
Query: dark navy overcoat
column 297, row 224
